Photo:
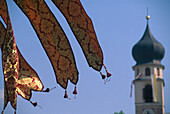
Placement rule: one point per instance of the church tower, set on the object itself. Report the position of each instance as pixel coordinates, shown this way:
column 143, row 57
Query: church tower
column 148, row 53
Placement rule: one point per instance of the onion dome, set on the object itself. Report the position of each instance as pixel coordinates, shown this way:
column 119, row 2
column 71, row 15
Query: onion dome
column 148, row 49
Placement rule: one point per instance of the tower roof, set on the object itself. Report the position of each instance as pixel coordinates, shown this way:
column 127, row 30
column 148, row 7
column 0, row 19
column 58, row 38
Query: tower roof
column 148, row 49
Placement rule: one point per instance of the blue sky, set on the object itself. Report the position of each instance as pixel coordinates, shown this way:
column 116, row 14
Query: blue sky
column 119, row 25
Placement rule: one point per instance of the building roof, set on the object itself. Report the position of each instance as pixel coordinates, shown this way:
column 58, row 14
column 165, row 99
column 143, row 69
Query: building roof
column 148, row 49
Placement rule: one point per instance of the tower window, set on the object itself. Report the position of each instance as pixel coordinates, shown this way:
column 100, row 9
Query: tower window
column 147, row 72
column 158, row 72
column 147, row 93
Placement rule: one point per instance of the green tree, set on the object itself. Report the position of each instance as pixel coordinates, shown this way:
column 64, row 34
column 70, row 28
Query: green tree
column 121, row 112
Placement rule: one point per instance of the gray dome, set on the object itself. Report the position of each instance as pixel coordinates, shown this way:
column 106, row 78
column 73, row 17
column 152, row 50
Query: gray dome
column 148, row 49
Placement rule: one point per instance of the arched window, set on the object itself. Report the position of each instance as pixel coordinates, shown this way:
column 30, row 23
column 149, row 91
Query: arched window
column 147, row 93
column 147, row 72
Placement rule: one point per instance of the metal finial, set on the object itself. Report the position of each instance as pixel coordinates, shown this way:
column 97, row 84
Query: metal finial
column 148, row 16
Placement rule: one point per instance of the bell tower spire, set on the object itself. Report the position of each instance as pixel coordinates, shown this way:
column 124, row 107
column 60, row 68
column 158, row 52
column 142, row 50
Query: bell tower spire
column 149, row 88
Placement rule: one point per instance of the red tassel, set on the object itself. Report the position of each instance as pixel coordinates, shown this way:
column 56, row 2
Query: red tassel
column 47, row 90
column 108, row 74
column 34, row 104
column 103, row 76
column 75, row 91
column 65, row 96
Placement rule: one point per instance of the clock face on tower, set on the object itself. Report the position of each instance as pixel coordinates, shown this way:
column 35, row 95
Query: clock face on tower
column 148, row 111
